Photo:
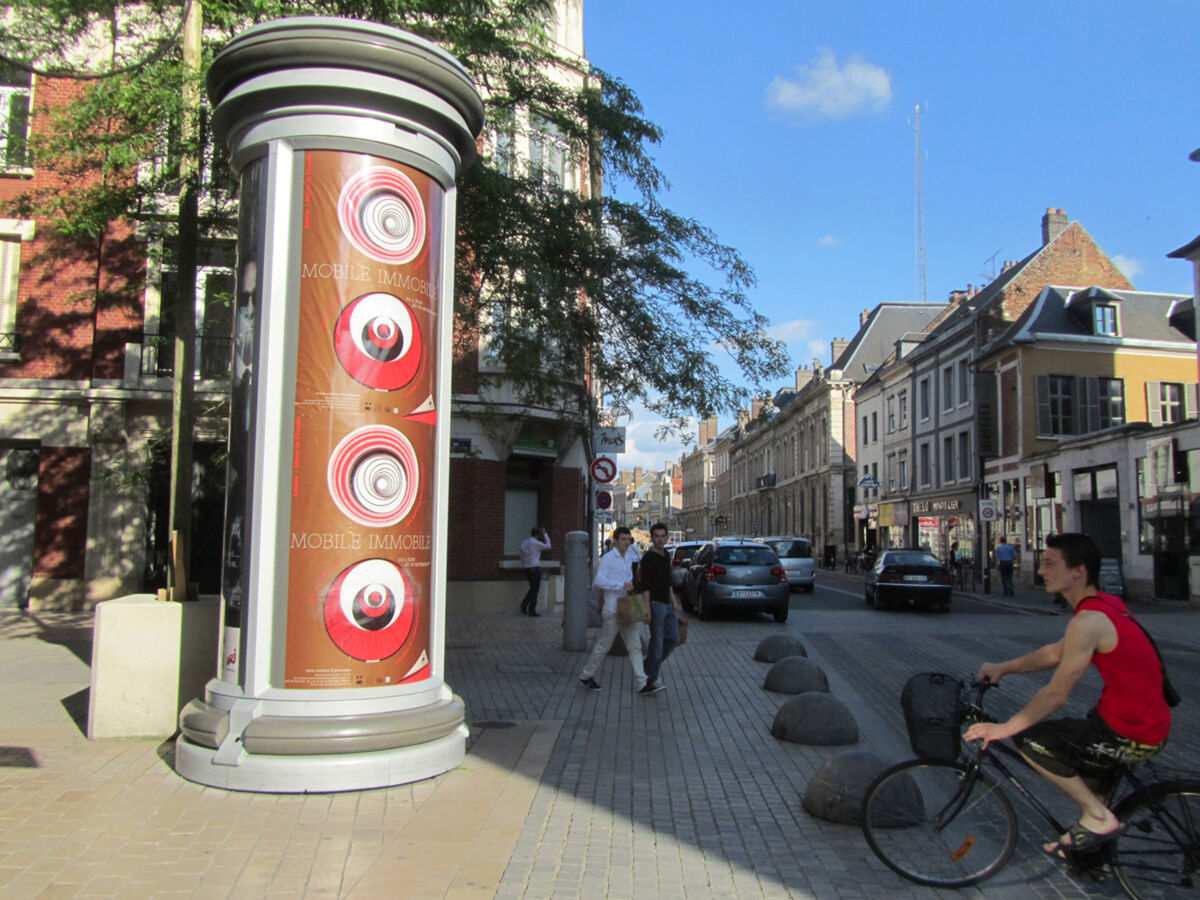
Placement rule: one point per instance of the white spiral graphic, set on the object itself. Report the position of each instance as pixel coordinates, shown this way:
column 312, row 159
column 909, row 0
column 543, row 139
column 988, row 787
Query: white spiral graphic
column 379, row 483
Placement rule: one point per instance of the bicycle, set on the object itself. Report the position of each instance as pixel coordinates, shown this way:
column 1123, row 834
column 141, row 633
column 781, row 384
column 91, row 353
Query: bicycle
column 939, row 820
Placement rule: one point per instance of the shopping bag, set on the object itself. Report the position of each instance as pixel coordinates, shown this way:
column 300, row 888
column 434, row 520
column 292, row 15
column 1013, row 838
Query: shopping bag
column 683, row 624
column 633, row 608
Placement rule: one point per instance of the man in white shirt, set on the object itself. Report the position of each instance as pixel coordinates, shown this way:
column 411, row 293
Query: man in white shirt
column 614, row 577
column 532, row 549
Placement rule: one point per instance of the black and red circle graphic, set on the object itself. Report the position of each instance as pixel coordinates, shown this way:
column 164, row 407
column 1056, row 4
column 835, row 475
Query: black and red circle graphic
column 378, row 342
column 370, row 609
column 381, row 213
column 373, row 477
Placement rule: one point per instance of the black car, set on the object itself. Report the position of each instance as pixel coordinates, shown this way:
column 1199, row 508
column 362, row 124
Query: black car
column 909, row 578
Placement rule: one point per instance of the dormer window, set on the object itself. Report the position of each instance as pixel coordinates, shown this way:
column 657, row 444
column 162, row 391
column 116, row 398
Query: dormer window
column 1104, row 319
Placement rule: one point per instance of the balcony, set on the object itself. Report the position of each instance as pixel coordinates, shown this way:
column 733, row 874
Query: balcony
column 762, row 482
column 157, row 356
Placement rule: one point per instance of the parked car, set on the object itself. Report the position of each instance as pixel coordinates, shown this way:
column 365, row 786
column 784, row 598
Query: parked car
column 741, row 573
column 910, row 578
column 796, row 556
column 681, row 558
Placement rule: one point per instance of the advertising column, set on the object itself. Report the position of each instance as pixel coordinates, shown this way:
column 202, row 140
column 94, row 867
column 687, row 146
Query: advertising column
column 347, row 137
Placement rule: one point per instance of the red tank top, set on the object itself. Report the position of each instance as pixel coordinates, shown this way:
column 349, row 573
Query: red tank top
column 1131, row 703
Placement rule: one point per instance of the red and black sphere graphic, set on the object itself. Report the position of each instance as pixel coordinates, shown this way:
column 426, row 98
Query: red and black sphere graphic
column 380, row 212
column 377, row 341
column 370, row 609
column 372, row 476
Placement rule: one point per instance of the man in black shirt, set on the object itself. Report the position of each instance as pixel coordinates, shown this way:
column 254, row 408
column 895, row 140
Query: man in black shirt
column 654, row 575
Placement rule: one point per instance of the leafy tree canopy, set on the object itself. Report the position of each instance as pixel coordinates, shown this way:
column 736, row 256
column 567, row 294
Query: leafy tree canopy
column 557, row 282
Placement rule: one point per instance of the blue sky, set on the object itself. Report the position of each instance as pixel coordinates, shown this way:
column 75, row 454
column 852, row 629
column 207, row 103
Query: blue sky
column 789, row 132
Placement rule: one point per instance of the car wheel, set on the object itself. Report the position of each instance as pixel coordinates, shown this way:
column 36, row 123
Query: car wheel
column 703, row 610
column 781, row 614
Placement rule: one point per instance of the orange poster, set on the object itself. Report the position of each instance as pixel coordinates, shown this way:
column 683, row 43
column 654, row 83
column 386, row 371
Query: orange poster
column 363, row 464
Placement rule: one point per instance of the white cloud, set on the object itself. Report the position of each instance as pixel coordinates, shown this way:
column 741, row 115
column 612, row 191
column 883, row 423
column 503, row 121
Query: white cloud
column 1129, row 267
column 643, row 448
column 790, row 332
column 828, row 241
column 820, row 350
column 823, row 89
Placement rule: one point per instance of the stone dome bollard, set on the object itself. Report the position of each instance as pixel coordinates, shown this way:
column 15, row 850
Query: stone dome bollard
column 815, row 718
column 795, row 675
column 836, row 790
column 776, row 647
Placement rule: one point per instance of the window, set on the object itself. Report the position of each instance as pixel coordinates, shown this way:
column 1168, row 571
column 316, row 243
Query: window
column 874, row 426
column 903, row 398
column 1105, row 318
column 15, row 85
column 948, row 466
column 923, row 398
column 875, row 475
column 925, row 462
column 1170, row 402
column 12, row 232
column 504, row 156
column 1055, row 404
column 866, row 435
column 902, row 467
column 547, row 152
column 891, row 414
column 948, row 387
column 1111, row 393
column 964, row 381
column 964, row 454
column 891, row 472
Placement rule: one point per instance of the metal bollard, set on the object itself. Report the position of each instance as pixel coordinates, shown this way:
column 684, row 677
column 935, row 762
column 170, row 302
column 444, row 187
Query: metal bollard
column 576, row 572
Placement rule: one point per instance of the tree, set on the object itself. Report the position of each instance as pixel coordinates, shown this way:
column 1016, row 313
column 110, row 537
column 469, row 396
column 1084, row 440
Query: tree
column 556, row 282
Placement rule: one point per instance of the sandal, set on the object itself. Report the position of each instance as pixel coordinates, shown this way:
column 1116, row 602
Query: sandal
column 1081, row 840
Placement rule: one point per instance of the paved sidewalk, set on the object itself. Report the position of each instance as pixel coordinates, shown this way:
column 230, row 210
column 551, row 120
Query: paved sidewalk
column 563, row 793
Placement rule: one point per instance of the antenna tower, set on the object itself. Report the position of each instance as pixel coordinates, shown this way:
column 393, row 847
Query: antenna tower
column 922, row 291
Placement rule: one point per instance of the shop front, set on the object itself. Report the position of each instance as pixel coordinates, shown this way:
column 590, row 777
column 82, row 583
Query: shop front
column 893, row 525
column 943, row 522
column 866, row 516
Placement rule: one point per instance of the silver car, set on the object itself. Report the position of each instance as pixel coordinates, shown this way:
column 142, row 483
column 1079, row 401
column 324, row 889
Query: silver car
column 681, row 558
column 796, row 555
column 746, row 574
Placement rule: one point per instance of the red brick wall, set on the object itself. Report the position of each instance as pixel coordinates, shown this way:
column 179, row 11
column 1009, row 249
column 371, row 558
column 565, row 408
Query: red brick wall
column 476, row 527
column 60, row 537
column 78, row 301
column 566, row 511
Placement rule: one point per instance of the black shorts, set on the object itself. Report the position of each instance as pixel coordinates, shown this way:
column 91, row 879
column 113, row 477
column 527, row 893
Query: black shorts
column 1086, row 747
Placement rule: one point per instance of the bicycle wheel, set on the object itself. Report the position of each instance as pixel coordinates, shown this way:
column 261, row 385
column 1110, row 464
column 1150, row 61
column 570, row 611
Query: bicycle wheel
column 1158, row 853
column 917, row 820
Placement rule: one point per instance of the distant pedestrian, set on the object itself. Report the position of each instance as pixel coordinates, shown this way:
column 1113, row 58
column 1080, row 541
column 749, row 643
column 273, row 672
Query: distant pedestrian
column 532, row 549
column 614, row 577
column 1004, row 554
column 654, row 575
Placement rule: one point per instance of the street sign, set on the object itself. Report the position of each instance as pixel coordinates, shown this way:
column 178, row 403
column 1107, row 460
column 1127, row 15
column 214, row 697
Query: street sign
column 869, row 481
column 988, row 511
column 604, row 516
column 609, row 440
column 604, row 469
column 604, row 499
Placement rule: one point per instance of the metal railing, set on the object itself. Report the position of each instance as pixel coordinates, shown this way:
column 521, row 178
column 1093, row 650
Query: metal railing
column 10, row 342
column 213, row 356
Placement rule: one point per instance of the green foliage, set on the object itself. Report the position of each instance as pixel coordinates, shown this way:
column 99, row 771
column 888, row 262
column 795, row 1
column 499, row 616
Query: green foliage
column 557, row 283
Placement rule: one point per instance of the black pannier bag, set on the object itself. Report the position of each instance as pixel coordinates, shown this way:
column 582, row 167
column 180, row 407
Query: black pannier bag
column 933, row 715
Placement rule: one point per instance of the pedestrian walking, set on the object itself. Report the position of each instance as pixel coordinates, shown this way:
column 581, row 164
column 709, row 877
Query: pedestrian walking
column 614, row 577
column 654, row 576
column 1004, row 554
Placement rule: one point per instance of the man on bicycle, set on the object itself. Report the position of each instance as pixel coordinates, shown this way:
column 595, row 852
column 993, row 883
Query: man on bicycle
column 1131, row 720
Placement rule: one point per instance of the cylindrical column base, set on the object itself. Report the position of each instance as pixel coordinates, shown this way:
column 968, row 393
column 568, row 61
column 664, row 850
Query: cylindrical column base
column 575, row 611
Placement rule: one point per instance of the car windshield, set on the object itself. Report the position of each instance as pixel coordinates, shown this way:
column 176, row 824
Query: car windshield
column 746, row 556
column 915, row 558
column 792, row 549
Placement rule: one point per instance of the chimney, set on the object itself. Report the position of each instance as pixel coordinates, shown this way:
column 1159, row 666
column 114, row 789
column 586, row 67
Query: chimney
column 863, row 316
column 708, row 430
column 713, row 428
column 756, row 406
column 836, row 346
column 637, row 475
column 1054, row 223
column 803, row 376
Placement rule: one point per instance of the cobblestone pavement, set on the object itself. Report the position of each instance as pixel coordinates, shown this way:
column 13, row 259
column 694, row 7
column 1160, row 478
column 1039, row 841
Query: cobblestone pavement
column 564, row 792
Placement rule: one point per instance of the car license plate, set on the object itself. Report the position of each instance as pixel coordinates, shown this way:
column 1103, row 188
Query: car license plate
column 746, row 595
column 916, row 577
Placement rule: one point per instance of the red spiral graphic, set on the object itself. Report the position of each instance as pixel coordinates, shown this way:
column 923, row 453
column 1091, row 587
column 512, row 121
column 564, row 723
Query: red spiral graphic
column 373, row 476
column 369, row 609
column 378, row 342
column 381, row 213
